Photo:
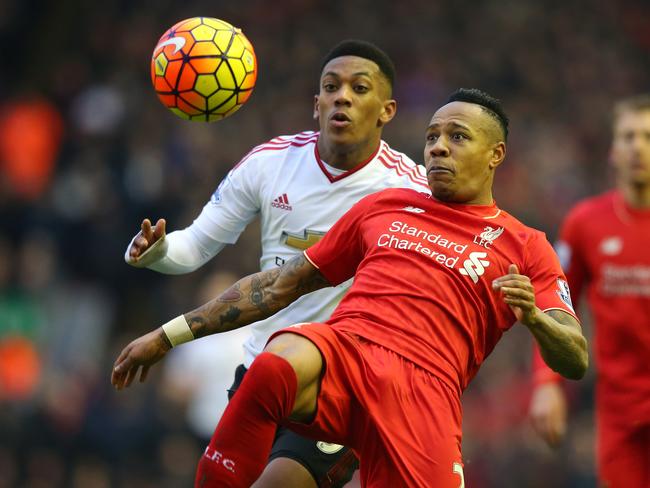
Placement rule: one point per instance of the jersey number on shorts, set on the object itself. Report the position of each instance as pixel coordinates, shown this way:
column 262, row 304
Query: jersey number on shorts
column 458, row 469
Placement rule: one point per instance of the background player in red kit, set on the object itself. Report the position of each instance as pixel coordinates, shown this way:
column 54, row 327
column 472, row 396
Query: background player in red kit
column 603, row 248
column 437, row 282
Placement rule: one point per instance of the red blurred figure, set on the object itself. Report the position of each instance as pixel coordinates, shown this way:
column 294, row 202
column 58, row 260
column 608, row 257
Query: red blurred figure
column 603, row 248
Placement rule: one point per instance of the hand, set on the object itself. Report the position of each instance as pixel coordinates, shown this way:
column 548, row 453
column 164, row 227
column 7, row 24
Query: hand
column 144, row 351
column 146, row 237
column 548, row 412
column 518, row 293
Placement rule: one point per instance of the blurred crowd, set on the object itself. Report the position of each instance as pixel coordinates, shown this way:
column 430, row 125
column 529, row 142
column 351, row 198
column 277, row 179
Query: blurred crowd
column 87, row 151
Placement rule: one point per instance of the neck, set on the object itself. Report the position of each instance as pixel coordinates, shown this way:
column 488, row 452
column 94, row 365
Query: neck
column 636, row 196
column 346, row 157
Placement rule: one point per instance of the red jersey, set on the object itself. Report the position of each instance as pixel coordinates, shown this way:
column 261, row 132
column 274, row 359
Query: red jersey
column 423, row 273
column 603, row 247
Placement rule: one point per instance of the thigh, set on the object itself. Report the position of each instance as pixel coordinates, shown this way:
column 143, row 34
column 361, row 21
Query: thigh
column 623, row 455
column 331, row 465
column 414, row 432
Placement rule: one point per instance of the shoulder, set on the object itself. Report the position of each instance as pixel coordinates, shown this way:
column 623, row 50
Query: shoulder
column 401, row 167
column 592, row 207
column 277, row 148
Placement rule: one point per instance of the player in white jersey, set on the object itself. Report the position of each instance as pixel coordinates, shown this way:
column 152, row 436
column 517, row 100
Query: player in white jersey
column 299, row 185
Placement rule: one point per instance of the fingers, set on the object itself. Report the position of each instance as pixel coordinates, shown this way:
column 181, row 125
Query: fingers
column 159, row 230
column 512, row 269
column 146, row 229
column 143, row 373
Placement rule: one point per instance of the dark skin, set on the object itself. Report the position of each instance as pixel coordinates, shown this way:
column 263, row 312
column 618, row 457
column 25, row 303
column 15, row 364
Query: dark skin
column 352, row 107
column 462, row 146
column 460, row 169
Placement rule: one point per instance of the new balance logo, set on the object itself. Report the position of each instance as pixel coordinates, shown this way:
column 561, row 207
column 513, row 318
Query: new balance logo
column 282, row 202
column 475, row 265
column 413, row 209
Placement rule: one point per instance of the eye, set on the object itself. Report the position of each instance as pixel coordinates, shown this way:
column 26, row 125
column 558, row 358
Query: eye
column 459, row 136
column 432, row 137
column 329, row 87
column 361, row 88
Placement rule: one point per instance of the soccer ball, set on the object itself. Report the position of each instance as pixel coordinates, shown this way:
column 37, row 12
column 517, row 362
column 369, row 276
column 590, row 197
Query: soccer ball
column 203, row 69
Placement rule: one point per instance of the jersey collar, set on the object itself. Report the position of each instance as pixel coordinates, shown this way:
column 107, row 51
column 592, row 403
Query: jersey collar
column 334, row 179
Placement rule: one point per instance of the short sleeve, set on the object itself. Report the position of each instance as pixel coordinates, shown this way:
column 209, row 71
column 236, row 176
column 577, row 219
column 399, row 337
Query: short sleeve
column 338, row 254
column 571, row 255
column 544, row 270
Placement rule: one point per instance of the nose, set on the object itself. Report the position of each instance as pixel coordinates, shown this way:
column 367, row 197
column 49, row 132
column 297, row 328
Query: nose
column 343, row 96
column 439, row 148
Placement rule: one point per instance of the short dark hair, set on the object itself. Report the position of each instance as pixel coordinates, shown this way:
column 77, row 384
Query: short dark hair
column 490, row 104
column 366, row 50
column 635, row 103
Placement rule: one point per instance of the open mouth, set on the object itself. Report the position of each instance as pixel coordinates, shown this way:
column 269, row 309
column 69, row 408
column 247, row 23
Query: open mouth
column 340, row 119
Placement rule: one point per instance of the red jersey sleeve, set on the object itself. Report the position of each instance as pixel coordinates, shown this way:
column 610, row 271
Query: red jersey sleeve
column 338, row 254
column 569, row 250
column 551, row 292
column 547, row 277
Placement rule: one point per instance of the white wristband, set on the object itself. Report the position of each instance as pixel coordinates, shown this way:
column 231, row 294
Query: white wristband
column 178, row 331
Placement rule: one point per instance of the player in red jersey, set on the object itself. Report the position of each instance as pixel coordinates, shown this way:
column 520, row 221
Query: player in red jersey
column 438, row 280
column 603, row 248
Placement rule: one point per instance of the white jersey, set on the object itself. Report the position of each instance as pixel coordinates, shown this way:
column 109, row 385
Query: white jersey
column 298, row 200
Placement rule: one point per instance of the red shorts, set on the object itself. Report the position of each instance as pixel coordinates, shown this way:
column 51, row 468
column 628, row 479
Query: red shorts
column 403, row 422
column 623, row 453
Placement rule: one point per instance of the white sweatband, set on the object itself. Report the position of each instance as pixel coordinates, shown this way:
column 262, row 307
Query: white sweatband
column 154, row 253
column 178, row 331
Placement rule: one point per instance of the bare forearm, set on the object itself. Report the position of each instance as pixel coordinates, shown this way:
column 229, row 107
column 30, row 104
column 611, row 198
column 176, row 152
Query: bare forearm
column 255, row 297
column 561, row 343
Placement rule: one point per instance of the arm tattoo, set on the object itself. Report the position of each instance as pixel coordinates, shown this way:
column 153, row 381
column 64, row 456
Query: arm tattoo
column 232, row 294
column 256, row 297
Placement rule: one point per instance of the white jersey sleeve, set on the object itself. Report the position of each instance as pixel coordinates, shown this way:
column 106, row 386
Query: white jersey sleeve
column 233, row 205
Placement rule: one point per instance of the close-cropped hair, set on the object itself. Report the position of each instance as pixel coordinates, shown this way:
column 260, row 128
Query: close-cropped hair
column 366, row 50
column 636, row 103
column 489, row 103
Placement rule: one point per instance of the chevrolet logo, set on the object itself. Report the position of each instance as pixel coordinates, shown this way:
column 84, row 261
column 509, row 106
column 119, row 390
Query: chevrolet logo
column 304, row 241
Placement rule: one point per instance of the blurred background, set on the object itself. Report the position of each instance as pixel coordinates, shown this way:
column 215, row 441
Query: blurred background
column 87, row 151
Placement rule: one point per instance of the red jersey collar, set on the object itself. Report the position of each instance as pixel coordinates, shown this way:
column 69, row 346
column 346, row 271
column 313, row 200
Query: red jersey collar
column 336, row 178
column 485, row 211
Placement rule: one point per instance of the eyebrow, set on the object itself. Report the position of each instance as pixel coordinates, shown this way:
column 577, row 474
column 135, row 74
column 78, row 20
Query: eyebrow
column 358, row 73
column 454, row 124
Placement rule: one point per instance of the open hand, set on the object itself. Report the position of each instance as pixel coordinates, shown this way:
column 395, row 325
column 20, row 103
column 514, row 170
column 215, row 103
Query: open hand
column 142, row 352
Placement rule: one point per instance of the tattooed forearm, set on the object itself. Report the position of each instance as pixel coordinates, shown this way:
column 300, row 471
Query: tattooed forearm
column 256, row 297
column 232, row 294
column 230, row 317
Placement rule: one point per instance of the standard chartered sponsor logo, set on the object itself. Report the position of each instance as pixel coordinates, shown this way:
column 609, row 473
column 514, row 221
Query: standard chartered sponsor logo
column 625, row 280
column 438, row 248
column 474, row 266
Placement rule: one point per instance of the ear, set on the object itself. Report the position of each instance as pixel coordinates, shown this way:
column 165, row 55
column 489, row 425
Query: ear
column 387, row 113
column 498, row 154
column 316, row 109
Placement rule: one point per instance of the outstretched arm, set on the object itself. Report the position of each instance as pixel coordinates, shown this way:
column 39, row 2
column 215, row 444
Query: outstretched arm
column 251, row 299
column 558, row 334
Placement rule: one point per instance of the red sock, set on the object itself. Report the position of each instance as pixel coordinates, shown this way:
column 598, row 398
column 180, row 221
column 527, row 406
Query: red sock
column 240, row 446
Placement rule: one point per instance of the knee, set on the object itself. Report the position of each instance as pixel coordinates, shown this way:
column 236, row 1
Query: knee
column 302, row 354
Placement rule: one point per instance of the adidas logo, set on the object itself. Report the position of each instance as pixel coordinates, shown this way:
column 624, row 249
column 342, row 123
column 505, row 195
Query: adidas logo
column 282, row 202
